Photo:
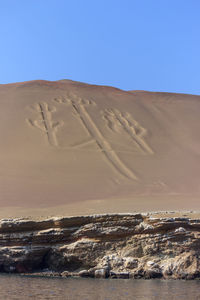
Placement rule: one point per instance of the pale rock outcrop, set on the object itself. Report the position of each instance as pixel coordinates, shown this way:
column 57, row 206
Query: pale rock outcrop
column 101, row 246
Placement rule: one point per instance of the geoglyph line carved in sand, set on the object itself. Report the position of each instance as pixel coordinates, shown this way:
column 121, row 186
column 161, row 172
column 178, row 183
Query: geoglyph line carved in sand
column 116, row 120
column 45, row 123
column 79, row 106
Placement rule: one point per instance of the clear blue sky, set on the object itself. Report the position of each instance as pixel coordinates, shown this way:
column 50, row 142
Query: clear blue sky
column 131, row 44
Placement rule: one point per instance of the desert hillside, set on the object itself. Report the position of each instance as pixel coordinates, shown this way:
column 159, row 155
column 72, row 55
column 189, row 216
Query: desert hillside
column 74, row 148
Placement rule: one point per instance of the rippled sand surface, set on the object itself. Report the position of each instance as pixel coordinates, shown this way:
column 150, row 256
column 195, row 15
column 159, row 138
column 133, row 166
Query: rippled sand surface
column 16, row 287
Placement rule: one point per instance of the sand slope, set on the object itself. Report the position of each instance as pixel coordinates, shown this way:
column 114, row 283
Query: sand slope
column 71, row 148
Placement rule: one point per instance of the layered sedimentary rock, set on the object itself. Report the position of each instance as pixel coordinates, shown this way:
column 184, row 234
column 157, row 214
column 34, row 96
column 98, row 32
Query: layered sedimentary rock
column 116, row 246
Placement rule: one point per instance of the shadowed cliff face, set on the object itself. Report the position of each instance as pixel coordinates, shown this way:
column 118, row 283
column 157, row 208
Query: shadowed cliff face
column 74, row 148
column 116, row 246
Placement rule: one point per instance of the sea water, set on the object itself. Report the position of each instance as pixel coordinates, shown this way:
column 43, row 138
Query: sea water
column 17, row 287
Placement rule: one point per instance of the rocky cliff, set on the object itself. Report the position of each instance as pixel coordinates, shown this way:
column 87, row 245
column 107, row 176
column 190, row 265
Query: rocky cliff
column 116, row 246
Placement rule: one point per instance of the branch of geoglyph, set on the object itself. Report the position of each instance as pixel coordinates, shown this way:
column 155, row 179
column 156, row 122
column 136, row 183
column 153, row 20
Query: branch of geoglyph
column 43, row 109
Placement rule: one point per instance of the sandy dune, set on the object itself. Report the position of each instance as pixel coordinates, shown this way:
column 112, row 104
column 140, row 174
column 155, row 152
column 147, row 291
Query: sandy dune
column 73, row 148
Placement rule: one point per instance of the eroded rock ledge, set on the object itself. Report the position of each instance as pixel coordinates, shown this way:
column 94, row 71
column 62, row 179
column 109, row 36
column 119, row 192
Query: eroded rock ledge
column 101, row 246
